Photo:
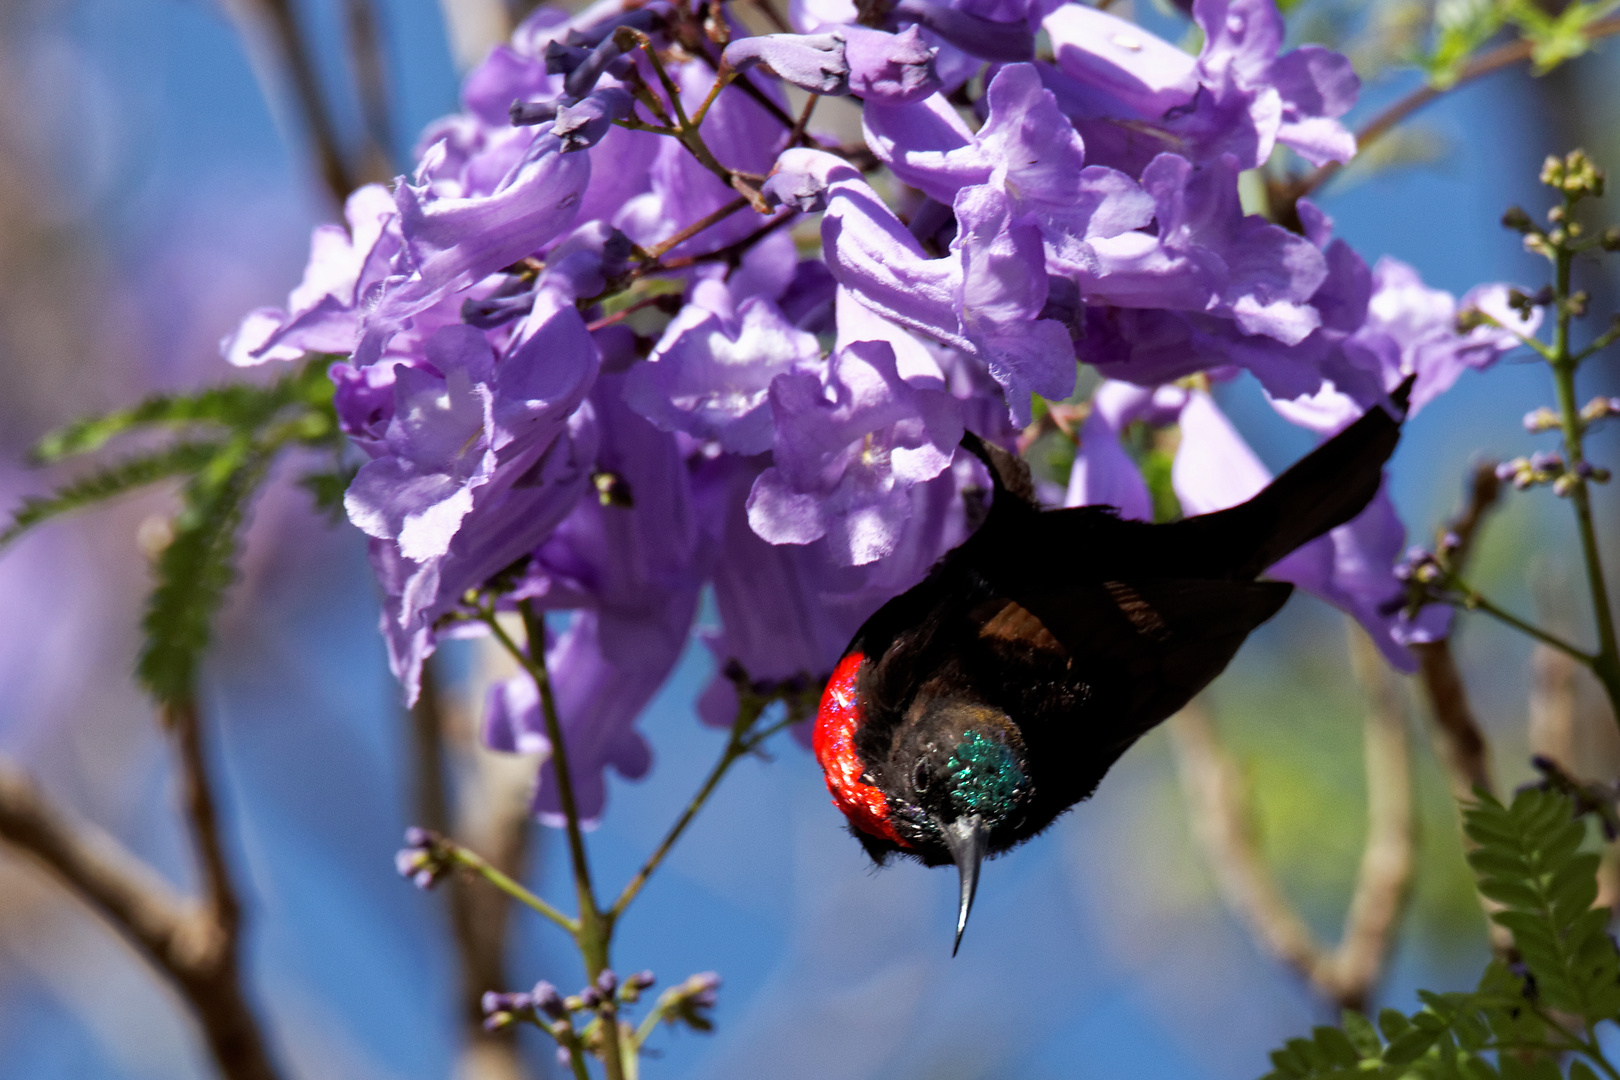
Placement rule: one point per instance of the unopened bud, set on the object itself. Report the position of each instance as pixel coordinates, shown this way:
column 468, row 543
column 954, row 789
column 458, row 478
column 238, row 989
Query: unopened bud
column 1516, row 219
column 1536, row 421
column 548, row 1001
column 1577, row 303
column 607, row 982
column 590, row 997
column 1565, row 484
column 1610, row 240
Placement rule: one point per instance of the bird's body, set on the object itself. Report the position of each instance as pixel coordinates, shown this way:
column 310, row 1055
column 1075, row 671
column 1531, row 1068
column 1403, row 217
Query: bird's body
column 973, row 709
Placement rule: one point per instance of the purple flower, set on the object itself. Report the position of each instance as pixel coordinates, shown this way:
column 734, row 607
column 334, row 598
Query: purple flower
column 324, row 310
column 812, row 62
column 847, row 450
column 1210, row 257
column 1103, row 473
column 453, row 242
column 889, row 69
column 817, row 601
column 1133, row 95
column 984, row 298
column 634, row 572
column 709, row 376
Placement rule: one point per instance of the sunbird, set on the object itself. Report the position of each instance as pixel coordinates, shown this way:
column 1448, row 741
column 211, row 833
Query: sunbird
column 971, row 710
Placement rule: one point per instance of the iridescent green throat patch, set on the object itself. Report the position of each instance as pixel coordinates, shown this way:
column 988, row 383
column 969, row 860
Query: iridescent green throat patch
column 985, row 777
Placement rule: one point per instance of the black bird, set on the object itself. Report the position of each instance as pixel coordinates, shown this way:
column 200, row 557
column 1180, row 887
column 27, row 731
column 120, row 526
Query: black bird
column 973, row 709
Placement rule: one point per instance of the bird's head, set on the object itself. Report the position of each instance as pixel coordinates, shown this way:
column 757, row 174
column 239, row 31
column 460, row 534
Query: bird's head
column 962, row 779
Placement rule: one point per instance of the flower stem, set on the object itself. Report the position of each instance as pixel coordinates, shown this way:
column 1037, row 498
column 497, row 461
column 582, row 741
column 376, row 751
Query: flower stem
column 593, row 932
column 737, row 744
column 479, row 865
column 1606, row 663
column 1474, row 601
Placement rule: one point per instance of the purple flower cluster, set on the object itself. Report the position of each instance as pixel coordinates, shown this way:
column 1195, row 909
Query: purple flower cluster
column 576, row 362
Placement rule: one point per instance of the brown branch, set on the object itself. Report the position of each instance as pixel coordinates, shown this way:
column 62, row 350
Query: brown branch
column 138, row 903
column 184, row 941
column 371, row 87
column 274, row 22
column 1459, row 742
column 1219, row 810
column 1503, row 56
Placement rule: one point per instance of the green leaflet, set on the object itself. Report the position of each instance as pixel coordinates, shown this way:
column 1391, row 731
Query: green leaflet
column 109, row 482
column 1529, row 861
column 246, row 426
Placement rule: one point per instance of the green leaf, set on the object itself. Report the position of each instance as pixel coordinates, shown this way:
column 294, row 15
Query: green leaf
column 1336, row 1046
column 1393, row 1023
column 195, row 570
column 1580, row 1070
column 241, row 407
column 1409, row 1047
column 1359, row 1030
column 1461, row 26
column 109, row 482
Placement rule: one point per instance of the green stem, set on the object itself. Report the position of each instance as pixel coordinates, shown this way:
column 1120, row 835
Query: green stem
column 477, row 864
column 594, row 933
column 1473, row 601
column 737, row 744
column 1606, row 664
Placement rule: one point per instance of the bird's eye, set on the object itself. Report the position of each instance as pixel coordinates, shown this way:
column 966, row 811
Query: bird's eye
column 919, row 777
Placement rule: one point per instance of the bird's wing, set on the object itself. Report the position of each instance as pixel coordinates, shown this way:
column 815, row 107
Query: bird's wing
column 1146, row 646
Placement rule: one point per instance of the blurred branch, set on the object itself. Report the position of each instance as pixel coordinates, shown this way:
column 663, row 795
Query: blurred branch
column 1508, row 55
column 135, row 900
column 274, row 23
column 1221, row 820
column 189, row 943
column 1460, row 744
column 371, row 86
column 479, row 917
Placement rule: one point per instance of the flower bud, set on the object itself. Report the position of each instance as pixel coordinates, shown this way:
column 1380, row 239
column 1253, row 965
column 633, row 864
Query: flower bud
column 1536, row 421
column 548, row 1000
column 590, row 997
column 607, row 982
column 1610, row 241
column 1516, row 219
column 1565, row 484
column 812, row 62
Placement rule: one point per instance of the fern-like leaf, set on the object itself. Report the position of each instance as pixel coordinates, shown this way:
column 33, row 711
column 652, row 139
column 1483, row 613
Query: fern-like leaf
column 108, row 483
column 1528, row 860
column 195, row 570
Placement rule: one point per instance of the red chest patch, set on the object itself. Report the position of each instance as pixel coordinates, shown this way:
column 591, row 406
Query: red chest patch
column 834, row 744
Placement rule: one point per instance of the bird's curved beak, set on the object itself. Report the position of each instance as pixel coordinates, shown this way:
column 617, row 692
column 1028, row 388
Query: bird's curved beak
column 967, row 838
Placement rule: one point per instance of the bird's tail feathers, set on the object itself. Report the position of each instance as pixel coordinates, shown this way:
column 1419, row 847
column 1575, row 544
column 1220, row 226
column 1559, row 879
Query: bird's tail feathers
column 1321, row 491
column 1008, row 472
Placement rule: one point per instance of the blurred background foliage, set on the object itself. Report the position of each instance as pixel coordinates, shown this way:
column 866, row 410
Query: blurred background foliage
column 160, row 180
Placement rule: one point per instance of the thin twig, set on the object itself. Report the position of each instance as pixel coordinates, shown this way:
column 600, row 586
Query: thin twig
column 737, row 744
column 657, row 251
column 1218, row 803
column 1459, row 742
column 475, row 862
column 1503, row 56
